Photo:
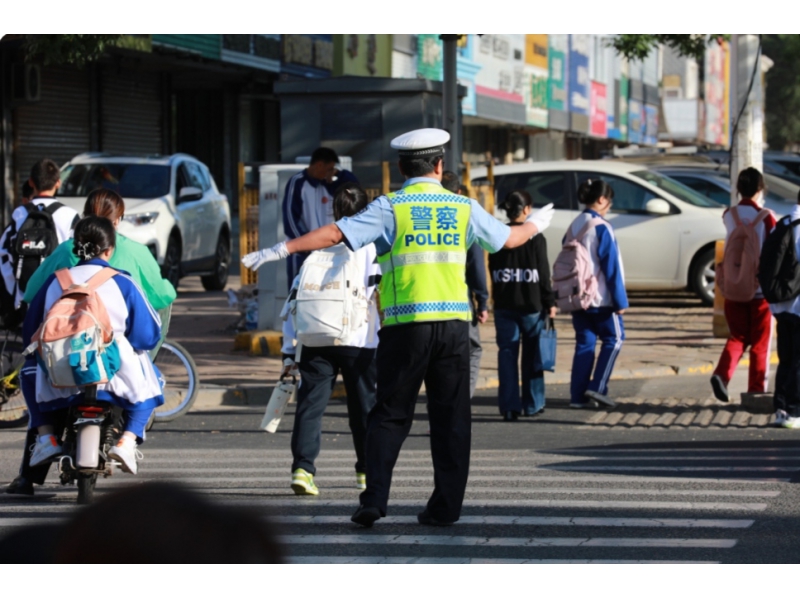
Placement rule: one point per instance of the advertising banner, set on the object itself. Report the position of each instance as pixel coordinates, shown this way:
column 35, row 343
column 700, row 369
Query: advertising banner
column 598, row 125
column 430, row 55
column 650, row 125
column 579, row 82
column 716, row 128
column 536, row 80
column 500, row 85
column 635, row 121
column 557, row 88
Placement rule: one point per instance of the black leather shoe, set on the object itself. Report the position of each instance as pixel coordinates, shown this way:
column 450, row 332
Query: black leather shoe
column 510, row 415
column 366, row 516
column 20, row 487
column 425, row 518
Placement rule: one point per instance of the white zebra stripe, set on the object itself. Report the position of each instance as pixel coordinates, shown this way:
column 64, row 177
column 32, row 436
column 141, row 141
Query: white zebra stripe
column 421, row 560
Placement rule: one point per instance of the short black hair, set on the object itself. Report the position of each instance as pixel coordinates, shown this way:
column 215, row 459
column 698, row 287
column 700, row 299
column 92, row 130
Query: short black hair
column 420, row 166
column 350, row 198
column 326, row 155
column 750, row 182
column 45, row 175
column 451, row 182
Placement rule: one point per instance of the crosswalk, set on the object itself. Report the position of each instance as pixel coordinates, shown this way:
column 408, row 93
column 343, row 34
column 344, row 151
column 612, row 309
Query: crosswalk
column 575, row 505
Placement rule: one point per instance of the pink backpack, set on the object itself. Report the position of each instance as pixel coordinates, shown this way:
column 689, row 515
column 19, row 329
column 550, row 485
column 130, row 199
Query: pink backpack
column 75, row 343
column 737, row 274
column 574, row 283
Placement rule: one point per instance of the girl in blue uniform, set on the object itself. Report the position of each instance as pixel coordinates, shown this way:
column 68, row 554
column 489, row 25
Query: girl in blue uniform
column 603, row 318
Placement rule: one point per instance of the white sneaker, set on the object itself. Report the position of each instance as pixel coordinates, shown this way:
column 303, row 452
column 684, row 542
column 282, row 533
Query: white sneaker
column 780, row 417
column 791, row 423
column 125, row 452
column 45, row 448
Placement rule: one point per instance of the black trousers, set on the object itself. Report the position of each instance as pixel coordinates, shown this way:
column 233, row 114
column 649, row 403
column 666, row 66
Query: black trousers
column 318, row 370
column 438, row 354
column 787, row 377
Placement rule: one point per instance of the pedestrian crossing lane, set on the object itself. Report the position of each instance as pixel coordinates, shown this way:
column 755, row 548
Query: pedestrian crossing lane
column 573, row 505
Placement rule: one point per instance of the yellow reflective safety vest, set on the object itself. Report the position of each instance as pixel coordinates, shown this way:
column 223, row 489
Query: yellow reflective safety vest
column 423, row 275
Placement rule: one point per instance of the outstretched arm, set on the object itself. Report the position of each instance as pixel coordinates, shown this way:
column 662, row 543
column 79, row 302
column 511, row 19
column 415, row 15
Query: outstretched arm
column 324, row 237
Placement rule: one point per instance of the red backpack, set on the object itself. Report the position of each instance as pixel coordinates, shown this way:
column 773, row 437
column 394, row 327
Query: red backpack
column 737, row 274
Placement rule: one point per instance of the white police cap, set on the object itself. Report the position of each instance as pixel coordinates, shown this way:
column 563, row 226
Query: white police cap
column 421, row 142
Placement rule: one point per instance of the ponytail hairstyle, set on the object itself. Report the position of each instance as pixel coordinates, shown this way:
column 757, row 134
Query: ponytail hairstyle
column 93, row 236
column 349, row 200
column 104, row 203
column 592, row 190
column 515, row 203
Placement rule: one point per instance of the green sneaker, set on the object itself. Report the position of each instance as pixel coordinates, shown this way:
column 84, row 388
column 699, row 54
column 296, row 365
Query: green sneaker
column 303, row 483
column 361, row 481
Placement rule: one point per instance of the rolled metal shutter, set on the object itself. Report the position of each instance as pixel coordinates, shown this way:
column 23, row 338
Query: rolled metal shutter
column 131, row 112
column 57, row 126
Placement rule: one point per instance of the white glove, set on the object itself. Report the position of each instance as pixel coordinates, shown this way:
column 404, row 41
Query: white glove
column 541, row 217
column 255, row 259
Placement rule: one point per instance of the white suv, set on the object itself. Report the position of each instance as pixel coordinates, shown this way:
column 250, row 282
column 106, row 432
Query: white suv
column 665, row 230
column 172, row 206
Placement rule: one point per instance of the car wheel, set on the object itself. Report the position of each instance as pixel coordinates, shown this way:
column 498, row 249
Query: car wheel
column 171, row 269
column 702, row 276
column 222, row 263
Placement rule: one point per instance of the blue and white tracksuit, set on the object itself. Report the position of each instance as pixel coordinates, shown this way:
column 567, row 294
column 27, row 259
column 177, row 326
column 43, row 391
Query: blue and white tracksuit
column 308, row 205
column 601, row 319
column 136, row 387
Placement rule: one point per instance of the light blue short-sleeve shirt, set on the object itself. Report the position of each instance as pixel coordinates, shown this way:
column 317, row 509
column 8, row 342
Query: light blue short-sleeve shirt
column 376, row 224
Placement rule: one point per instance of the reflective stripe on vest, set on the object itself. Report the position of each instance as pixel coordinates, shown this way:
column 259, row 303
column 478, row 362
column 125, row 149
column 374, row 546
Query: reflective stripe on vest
column 423, row 276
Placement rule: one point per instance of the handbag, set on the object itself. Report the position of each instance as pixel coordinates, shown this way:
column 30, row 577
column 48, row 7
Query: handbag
column 281, row 396
column 546, row 357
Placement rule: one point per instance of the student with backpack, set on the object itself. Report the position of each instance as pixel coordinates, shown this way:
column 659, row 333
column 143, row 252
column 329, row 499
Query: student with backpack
column 37, row 227
column 589, row 282
column 332, row 313
column 779, row 277
column 523, row 299
column 129, row 256
column 746, row 310
column 110, row 328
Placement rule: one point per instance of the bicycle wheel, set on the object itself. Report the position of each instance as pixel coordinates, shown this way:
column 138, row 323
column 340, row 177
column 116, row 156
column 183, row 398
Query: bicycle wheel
column 13, row 410
column 180, row 373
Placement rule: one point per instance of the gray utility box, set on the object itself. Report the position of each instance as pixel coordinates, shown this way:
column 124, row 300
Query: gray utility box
column 357, row 117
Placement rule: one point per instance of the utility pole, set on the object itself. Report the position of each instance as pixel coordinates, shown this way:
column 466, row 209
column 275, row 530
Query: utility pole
column 452, row 159
column 747, row 139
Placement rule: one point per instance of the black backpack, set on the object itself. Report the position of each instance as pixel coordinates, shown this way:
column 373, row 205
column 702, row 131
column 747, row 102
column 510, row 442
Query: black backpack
column 779, row 269
column 35, row 241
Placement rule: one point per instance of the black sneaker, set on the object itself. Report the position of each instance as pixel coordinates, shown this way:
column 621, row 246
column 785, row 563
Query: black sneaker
column 425, row 518
column 600, row 398
column 720, row 391
column 366, row 516
column 20, row 487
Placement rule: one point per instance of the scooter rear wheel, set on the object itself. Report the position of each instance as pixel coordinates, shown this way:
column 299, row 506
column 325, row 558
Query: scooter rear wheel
column 86, row 485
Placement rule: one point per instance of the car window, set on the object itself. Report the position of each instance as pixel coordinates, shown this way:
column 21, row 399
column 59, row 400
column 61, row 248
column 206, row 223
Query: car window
column 128, row 180
column 709, row 189
column 676, row 188
column 544, row 187
column 194, row 176
column 206, row 178
column 629, row 197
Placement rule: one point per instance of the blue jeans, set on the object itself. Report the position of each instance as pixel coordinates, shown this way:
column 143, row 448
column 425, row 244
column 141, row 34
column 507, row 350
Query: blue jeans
column 513, row 326
column 602, row 323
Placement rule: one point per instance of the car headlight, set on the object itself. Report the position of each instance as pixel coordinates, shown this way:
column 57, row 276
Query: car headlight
column 138, row 219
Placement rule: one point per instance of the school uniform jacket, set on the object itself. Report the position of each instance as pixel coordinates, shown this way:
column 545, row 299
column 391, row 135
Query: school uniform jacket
column 606, row 261
column 137, row 328
column 64, row 219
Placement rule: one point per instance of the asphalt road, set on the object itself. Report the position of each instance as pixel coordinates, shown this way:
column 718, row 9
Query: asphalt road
column 543, row 489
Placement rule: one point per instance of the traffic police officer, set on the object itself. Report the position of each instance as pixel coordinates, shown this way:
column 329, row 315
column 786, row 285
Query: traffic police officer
column 421, row 234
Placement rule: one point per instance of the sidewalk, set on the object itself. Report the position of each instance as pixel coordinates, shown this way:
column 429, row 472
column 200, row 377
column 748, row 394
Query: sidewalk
column 667, row 334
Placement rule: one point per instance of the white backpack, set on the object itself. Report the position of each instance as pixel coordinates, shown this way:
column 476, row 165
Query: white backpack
column 330, row 304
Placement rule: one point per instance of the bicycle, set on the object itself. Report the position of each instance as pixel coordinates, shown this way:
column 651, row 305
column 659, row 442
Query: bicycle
column 13, row 410
column 177, row 367
column 180, row 373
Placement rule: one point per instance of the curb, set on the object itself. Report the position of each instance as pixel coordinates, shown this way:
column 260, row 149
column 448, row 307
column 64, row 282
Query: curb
column 259, row 343
column 213, row 396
